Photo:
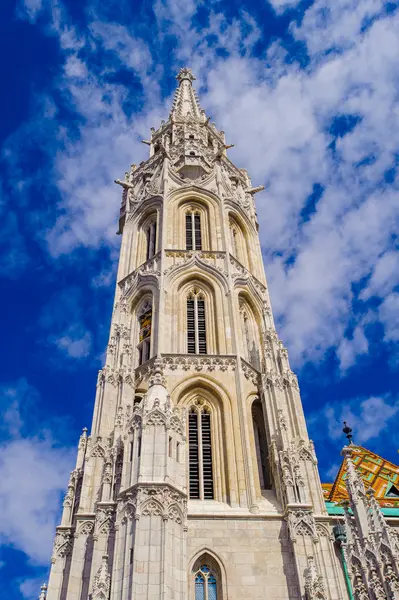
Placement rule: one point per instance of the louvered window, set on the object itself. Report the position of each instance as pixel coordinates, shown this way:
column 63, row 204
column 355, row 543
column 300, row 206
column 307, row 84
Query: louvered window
column 200, row 456
column 189, row 232
column 207, row 456
column 193, row 455
column 201, row 326
column 196, row 324
column 193, row 231
column 191, row 326
column 197, row 231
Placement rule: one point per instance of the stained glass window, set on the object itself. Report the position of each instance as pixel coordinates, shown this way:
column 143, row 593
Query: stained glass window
column 144, row 341
column 205, row 584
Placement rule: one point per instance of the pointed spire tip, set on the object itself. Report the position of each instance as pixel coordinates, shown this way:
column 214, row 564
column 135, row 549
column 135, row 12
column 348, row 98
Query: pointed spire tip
column 185, row 73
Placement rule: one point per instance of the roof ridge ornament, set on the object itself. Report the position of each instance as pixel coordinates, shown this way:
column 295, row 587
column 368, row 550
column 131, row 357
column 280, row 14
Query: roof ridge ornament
column 348, row 433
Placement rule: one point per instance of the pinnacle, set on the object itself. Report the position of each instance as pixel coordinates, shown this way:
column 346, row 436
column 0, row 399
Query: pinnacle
column 185, row 74
column 185, row 103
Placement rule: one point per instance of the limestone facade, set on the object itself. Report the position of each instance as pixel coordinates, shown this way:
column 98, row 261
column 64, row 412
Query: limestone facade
column 198, row 479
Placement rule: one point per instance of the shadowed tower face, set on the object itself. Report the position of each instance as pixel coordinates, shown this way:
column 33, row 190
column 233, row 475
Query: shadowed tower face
column 198, row 480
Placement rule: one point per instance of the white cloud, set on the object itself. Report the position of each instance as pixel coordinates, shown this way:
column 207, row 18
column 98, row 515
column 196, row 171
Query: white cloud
column 63, row 322
column 30, row 9
column 389, row 315
column 34, row 474
column 105, row 279
column 368, row 418
column 348, row 350
column 336, row 25
column 30, row 588
column 75, row 347
column 331, row 473
column 279, row 116
column 384, row 277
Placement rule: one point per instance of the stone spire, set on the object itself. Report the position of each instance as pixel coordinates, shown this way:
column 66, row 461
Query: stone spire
column 372, row 548
column 186, row 103
column 102, row 581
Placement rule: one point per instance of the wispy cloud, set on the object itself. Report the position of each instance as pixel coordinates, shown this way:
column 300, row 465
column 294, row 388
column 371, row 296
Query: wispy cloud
column 368, row 417
column 64, row 323
column 32, row 463
column 326, row 118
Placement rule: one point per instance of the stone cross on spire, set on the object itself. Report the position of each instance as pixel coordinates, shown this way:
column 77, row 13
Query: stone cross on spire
column 185, row 103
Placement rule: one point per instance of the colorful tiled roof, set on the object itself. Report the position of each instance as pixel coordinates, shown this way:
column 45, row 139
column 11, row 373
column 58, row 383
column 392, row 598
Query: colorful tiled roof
column 378, row 473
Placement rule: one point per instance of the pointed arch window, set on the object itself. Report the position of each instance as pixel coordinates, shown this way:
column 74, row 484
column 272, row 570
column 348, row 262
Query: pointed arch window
column 234, row 244
column 193, row 231
column 200, row 455
column 145, row 328
column 151, row 239
column 249, row 329
column 261, row 448
column 196, row 323
column 206, row 584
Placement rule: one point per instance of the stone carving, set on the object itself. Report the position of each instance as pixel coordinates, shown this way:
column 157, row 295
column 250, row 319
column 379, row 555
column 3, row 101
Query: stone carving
column 208, row 257
column 86, row 528
column 250, row 372
column 102, row 581
column 301, row 522
column 105, row 517
column 70, row 495
column 161, row 500
column 188, row 362
column 157, row 377
column 314, row 583
column 370, row 547
column 63, row 542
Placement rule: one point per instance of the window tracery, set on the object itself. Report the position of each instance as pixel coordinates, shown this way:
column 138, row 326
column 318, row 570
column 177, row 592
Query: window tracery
column 205, row 584
column 206, row 579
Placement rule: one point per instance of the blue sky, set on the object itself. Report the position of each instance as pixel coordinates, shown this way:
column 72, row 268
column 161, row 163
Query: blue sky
column 309, row 94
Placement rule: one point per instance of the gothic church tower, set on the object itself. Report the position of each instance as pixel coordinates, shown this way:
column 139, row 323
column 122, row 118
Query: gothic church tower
column 198, row 480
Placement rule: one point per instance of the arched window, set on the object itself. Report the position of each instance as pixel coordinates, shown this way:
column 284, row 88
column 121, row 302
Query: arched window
column 262, row 458
column 238, row 242
column 206, row 579
column 151, row 239
column 196, row 326
column 249, row 329
column 145, row 325
column 205, row 584
column 234, row 245
column 200, row 455
column 193, row 231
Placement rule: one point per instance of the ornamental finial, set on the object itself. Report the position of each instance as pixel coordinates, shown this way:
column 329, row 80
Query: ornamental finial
column 185, row 73
column 43, row 594
column 348, row 432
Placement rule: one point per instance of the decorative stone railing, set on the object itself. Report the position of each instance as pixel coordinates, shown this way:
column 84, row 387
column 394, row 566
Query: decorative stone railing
column 174, row 258
column 151, row 267
column 238, row 270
